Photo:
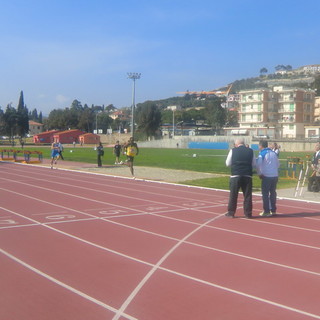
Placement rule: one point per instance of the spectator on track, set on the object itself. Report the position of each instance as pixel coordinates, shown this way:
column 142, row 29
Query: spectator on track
column 268, row 171
column 61, row 150
column 315, row 166
column 314, row 179
column 241, row 160
column 116, row 151
column 100, row 153
column 275, row 148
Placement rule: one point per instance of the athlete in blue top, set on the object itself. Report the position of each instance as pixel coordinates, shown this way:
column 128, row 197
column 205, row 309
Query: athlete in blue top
column 55, row 153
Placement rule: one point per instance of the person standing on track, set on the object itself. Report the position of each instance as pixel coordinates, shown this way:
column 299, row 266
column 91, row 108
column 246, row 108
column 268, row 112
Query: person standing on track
column 55, row 153
column 276, row 148
column 268, row 170
column 61, row 150
column 117, row 151
column 316, row 156
column 241, row 160
column 132, row 150
column 314, row 165
column 100, row 153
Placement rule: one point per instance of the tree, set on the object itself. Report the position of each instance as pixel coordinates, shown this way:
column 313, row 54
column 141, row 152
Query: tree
column 148, row 118
column 232, row 118
column 22, row 117
column 10, row 121
column 40, row 119
column 34, row 115
column 316, row 85
column 1, row 122
column 56, row 120
column 86, row 119
column 104, row 121
column 110, row 108
column 215, row 114
column 263, row 71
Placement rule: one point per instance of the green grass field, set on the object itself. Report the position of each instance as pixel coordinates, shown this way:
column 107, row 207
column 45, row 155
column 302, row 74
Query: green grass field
column 200, row 160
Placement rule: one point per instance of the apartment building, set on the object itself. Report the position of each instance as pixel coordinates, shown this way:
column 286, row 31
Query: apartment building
column 296, row 109
column 258, row 112
column 278, row 113
column 317, row 109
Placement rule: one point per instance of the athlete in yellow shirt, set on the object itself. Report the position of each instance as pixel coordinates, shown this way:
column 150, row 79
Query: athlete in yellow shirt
column 132, row 150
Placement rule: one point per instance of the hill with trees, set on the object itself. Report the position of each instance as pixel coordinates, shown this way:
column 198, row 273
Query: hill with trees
column 150, row 115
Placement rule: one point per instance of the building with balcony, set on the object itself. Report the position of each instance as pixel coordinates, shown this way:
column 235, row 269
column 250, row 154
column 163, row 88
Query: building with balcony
column 317, row 110
column 296, row 109
column 277, row 113
column 258, row 112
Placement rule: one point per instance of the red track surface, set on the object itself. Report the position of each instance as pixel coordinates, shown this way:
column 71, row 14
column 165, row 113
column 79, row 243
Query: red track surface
column 92, row 247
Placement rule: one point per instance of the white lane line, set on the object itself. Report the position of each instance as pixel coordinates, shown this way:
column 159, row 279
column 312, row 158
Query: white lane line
column 124, row 186
column 64, row 285
column 279, row 305
column 241, row 233
column 180, row 274
column 218, row 250
column 173, row 205
column 213, row 227
column 92, row 200
column 154, row 269
column 158, row 266
column 46, row 225
column 122, row 194
column 300, row 201
column 19, row 226
column 285, row 226
column 106, row 219
column 137, row 210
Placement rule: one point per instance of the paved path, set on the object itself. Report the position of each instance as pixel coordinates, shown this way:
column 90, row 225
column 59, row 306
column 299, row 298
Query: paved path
column 168, row 175
column 149, row 173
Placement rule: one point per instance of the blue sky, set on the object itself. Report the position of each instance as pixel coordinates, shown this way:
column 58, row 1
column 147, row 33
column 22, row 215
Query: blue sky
column 60, row 50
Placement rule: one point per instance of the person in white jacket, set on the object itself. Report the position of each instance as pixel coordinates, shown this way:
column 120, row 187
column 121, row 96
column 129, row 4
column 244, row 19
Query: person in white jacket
column 268, row 171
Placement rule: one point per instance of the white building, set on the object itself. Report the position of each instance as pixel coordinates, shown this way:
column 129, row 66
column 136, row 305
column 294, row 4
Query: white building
column 278, row 113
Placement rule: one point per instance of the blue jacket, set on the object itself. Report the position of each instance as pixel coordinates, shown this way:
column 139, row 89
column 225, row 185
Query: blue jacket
column 268, row 163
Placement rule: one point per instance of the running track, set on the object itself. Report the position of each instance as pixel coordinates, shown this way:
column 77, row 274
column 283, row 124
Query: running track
column 79, row 246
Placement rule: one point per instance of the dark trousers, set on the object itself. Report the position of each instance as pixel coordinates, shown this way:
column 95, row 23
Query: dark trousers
column 269, row 194
column 245, row 184
column 99, row 161
column 314, row 184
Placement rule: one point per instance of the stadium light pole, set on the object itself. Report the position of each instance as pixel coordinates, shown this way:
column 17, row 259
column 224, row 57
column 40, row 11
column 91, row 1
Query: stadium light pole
column 133, row 76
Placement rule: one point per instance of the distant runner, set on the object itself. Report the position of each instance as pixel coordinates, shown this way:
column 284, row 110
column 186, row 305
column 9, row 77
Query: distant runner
column 132, row 150
column 55, row 153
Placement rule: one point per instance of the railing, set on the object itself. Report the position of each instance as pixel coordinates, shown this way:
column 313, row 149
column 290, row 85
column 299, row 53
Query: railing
column 13, row 155
column 286, row 111
column 289, row 120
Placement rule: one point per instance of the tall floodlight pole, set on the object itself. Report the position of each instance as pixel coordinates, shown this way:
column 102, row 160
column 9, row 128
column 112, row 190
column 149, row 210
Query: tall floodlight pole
column 173, row 123
column 133, row 76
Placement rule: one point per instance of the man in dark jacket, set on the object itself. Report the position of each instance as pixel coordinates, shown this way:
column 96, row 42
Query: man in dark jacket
column 313, row 184
column 241, row 160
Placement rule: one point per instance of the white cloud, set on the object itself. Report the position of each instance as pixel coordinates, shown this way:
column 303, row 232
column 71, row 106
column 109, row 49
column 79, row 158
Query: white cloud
column 61, row 99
